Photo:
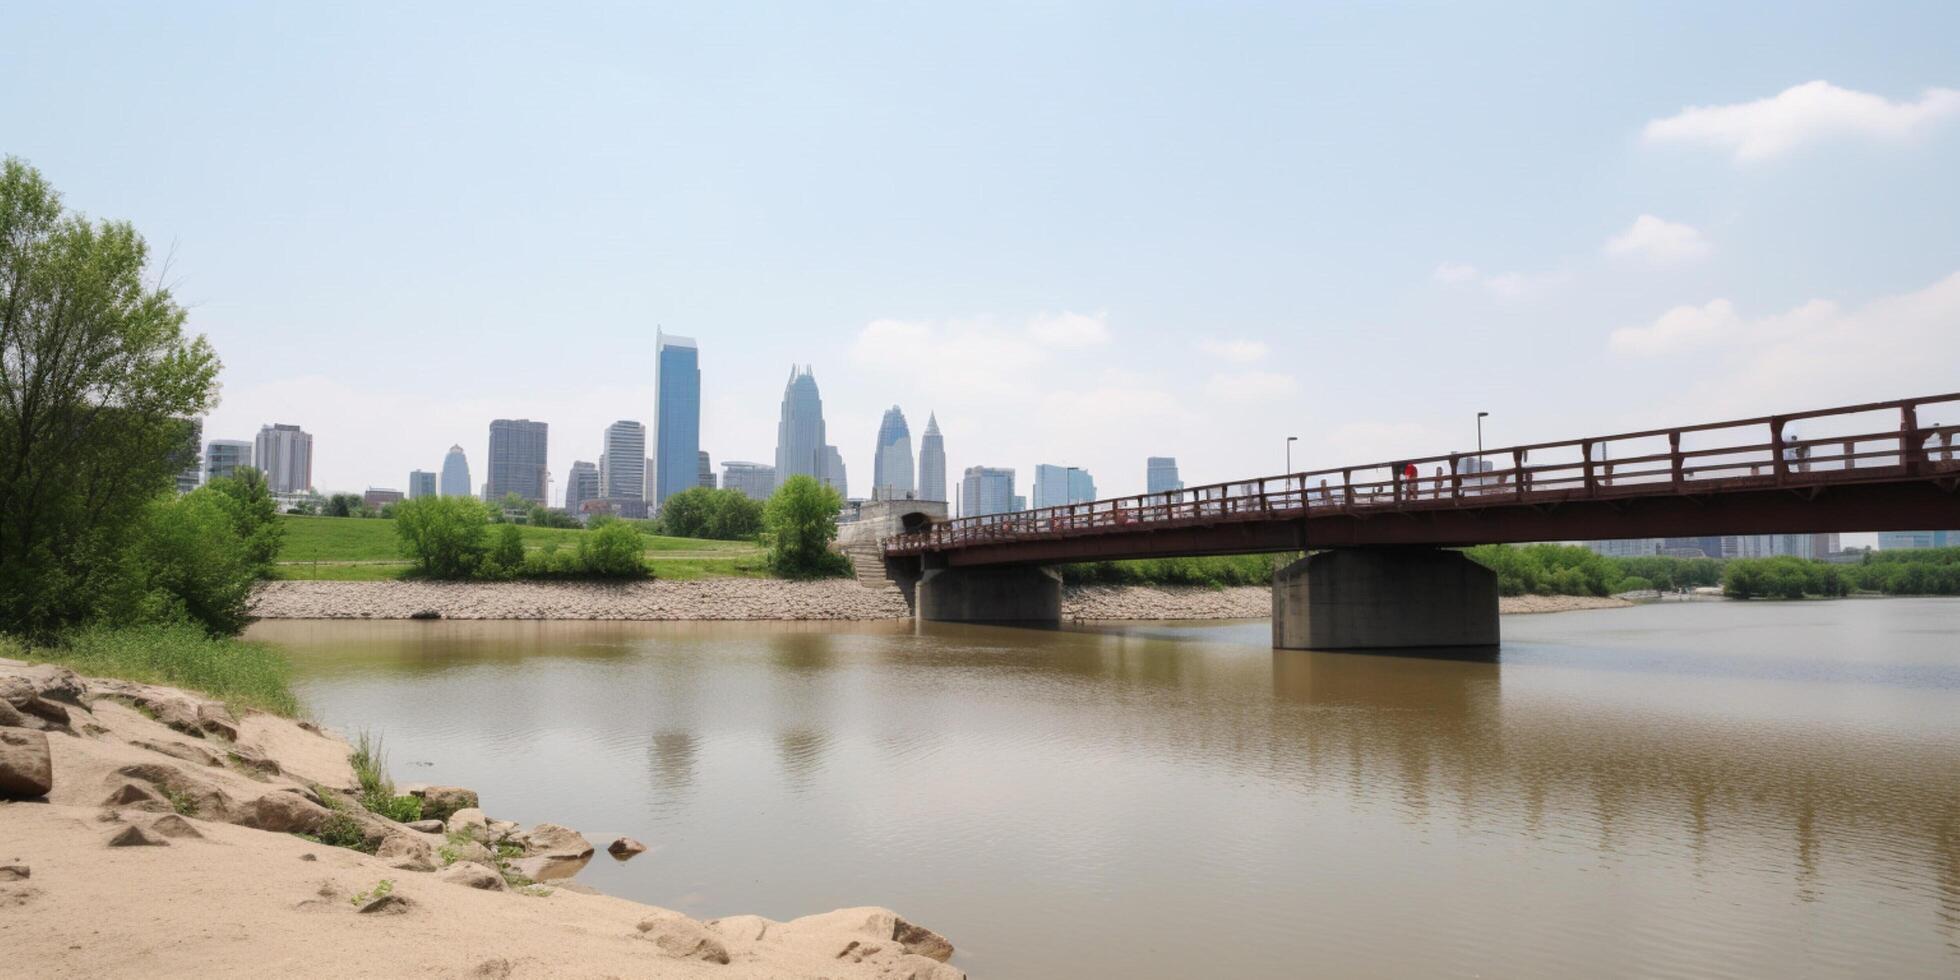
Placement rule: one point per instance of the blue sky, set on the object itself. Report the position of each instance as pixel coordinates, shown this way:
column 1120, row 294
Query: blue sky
column 1080, row 233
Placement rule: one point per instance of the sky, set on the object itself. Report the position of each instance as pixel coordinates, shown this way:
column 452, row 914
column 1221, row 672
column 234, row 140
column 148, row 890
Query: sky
column 1079, row 233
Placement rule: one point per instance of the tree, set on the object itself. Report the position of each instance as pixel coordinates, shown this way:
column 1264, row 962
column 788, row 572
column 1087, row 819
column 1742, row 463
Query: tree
column 800, row 521
column 445, row 535
column 254, row 513
column 687, row 513
column 734, row 516
column 614, row 550
column 189, row 562
column 506, row 553
column 345, row 505
column 96, row 379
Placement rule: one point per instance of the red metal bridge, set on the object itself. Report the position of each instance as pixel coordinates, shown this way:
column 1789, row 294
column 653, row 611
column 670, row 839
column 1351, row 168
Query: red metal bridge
column 1881, row 466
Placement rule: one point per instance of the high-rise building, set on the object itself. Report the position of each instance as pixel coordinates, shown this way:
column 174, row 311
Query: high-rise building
column 622, row 467
column 986, row 490
column 1160, row 475
column 583, row 485
column 285, row 455
column 800, row 432
column 223, row 457
column 378, row 497
column 1055, row 486
column 677, row 416
column 648, row 494
column 455, row 473
column 891, row 468
column 932, row 462
column 421, row 483
column 1020, row 502
column 1626, row 547
column 517, row 459
column 832, row 472
column 704, row 474
column 190, row 472
column 756, row 480
column 1902, row 540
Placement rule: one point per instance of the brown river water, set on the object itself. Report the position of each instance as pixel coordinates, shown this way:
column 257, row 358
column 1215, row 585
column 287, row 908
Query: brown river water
column 1695, row 789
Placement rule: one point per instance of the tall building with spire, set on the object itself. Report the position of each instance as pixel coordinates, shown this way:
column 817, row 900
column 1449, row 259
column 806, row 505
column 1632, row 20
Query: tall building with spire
column 677, row 416
column 891, row 468
column 800, row 433
column 932, row 462
column 455, row 473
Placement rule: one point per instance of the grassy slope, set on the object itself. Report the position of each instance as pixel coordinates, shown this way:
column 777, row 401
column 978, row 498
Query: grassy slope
column 243, row 673
column 366, row 549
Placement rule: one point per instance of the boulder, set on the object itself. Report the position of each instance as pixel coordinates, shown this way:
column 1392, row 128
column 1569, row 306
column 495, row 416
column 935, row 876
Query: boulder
column 174, row 826
column 52, row 714
column 500, row 829
column 15, row 872
column 10, row 716
column 438, row 802
column 51, row 681
column 922, row 941
column 469, row 821
column 625, row 847
column 551, row 839
column 912, row 966
column 682, row 938
column 468, row 851
column 547, row 867
column 134, row 836
column 407, row 852
column 26, row 771
column 176, row 714
column 474, row 875
column 253, row 762
column 200, row 793
column 425, row 826
column 389, row 904
column 216, row 719
column 129, row 794
column 284, row 813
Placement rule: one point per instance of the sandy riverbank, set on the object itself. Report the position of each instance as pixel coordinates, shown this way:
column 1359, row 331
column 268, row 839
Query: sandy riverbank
column 160, row 840
column 758, row 599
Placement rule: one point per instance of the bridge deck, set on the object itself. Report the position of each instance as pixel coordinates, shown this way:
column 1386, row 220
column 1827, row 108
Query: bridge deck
column 1874, row 467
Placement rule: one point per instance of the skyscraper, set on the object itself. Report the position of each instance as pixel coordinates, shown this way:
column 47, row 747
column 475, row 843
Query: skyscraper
column 622, row 467
column 583, row 485
column 704, row 475
column 891, row 468
column 421, row 483
column 285, row 453
column 986, row 490
column 932, row 462
column 455, row 473
column 517, row 459
column 1160, row 475
column 1055, row 486
column 800, row 434
column 832, row 474
column 756, row 480
column 677, row 416
column 223, row 457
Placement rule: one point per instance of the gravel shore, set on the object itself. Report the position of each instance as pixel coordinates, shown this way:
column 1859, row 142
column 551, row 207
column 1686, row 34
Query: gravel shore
column 756, row 599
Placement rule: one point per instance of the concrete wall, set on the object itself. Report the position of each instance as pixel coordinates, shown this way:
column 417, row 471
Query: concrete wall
column 1000, row 594
column 880, row 519
column 1384, row 598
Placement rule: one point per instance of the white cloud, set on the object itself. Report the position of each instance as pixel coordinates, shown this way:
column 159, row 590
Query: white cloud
column 1658, row 241
column 1069, row 330
column 1679, row 329
column 1802, row 114
column 1454, row 272
column 1250, row 386
column 1503, row 285
column 1236, row 351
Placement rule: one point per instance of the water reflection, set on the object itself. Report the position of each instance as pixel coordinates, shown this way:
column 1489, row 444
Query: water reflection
column 1627, row 793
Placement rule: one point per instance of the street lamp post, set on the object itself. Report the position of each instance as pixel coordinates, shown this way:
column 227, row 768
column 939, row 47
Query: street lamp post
column 1290, row 440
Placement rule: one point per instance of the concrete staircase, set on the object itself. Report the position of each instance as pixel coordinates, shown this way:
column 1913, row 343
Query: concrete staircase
column 869, row 563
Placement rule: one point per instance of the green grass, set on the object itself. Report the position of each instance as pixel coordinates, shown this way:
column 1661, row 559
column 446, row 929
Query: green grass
column 370, row 765
column 1215, row 572
column 243, row 673
column 365, row 549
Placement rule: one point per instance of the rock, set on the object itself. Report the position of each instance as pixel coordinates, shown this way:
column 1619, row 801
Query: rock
column 407, row 852
column 857, row 951
column 284, row 813
column 551, row 839
column 178, row 750
column 425, row 826
column 182, row 786
column 10, row 716
column 440, row 802
column 174, row 826
column 175, row 714
column 15, row 872
column 389, row 904
column 216, row 719
column 546, row 867
column 921, row 941
column 425, row 614
column 474, row 875
column 49, row 712
column 254, row 762
column 682, row 938
column 912, row 966
column 309, row 856
column 131, row 793
column 134, row 836
column 468, row 851
column 51, row 681
column 625, row 847
column 500, row 829
column 468, row 820
column 26, row 771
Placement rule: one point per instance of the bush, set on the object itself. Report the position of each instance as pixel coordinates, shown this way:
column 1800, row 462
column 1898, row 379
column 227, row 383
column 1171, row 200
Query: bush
column 254, row 515
column 242, row 673
column 1783, row 577
column 1215, row 572
column 1633, row 583
column 699, row 512
column 614, row 550
column 445, row 535
column 188, row 563
column 800, row 522
column 506, row 558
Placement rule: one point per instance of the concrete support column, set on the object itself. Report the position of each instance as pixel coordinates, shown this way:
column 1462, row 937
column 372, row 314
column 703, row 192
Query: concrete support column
column 1384, row 598
column 1004, row 594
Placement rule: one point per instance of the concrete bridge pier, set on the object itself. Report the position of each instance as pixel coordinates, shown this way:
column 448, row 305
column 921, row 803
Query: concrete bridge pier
column 1384, row 598
column 1027, row 594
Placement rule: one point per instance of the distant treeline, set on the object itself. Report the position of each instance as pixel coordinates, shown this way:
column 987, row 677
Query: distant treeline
column 1922, row 571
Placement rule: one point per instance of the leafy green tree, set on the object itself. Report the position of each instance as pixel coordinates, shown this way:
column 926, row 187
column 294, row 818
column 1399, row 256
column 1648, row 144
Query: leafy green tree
column 506, row 553
column 800, row 522
column 189, row 562
column 734, row 516
column 96, row 379
column 446, row 536
column 687, row 513
column 614, row 550
column 254, row 513
column 345, row 505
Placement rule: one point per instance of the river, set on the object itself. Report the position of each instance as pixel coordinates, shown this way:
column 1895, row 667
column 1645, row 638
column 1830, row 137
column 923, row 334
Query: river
column 1694, row 789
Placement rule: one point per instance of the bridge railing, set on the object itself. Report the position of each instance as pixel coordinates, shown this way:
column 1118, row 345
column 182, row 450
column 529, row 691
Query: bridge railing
column 1857, row 443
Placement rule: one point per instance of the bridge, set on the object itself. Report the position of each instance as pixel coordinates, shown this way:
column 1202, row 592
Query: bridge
column 1378, row 572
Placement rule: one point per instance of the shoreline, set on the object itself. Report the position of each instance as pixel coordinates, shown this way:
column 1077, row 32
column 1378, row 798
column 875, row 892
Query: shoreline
column 740, row 599
column 151, row 831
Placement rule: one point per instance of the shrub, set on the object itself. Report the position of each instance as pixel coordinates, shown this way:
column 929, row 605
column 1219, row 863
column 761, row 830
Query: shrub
column 506, row 558
column 699, row 512
column 614, row 550
column 445, row 535
column 800, row 521
column 188, row 563
column 254, row 515
column 1633, row 583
